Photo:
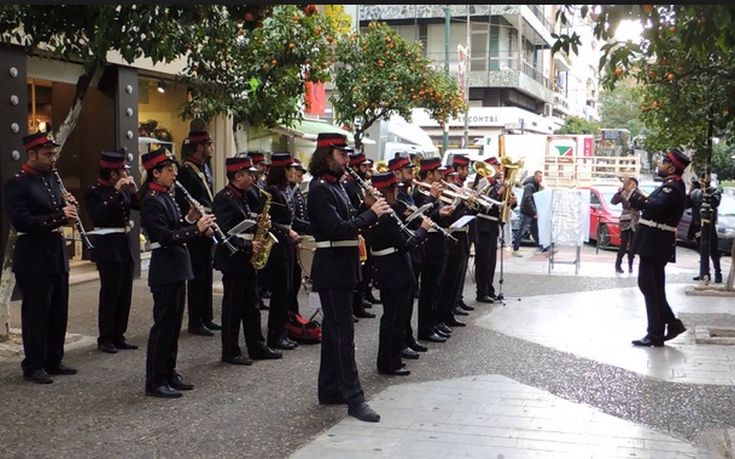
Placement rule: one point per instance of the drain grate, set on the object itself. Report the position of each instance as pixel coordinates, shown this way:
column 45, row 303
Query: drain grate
column 708, row 334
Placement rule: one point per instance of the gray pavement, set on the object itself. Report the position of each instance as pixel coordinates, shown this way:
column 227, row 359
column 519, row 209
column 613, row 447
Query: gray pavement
column 270, row 410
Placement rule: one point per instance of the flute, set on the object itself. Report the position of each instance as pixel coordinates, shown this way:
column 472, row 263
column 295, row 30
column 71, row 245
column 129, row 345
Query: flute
column 219, row 236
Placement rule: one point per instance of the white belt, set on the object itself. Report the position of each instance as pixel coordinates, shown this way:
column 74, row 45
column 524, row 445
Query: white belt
column 103, row 231
column 383, row 252
column 245, row 236
column 489, row 217
column 55, row 230
column 657, row 225
column 154, row 246
column 345, row 243
column 464, row 229
column 432, row 230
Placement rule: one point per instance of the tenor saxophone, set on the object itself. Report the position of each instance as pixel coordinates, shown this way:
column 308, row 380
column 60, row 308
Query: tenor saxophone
column 263, row 236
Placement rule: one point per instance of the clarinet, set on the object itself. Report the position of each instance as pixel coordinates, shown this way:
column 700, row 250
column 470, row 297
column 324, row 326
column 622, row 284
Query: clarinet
column 78, row 221
column 219, row 236
column 376, row 194
column 433, row 224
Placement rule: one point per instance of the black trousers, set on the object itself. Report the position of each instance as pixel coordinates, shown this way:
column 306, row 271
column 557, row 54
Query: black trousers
column 282, row 267
column 391, row 338
column 486, row 255
column 626, row 246
column 451, row 283
column 116, row 291
column 714, row 253
column 362, row 287
column 432, row 273
column 163, row 340
column 651, row 282
column 44, row 313
column 199, row 289
column 408, row 332
column 338, row 379
column 240, row 306
column 295, row 287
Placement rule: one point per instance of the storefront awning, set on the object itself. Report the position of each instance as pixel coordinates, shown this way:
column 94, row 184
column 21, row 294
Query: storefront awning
column 309, row 129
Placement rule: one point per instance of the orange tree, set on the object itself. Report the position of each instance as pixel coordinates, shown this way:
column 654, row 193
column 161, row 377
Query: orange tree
column 256, row 71
column 379, row 74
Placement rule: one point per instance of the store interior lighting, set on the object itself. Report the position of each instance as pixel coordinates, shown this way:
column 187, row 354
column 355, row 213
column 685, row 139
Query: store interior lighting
column 161, row 87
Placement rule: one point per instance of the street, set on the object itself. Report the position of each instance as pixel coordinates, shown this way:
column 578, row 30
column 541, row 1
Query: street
column 553, row 375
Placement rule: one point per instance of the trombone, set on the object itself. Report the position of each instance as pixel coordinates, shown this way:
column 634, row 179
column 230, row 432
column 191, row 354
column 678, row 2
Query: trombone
column 472, row 198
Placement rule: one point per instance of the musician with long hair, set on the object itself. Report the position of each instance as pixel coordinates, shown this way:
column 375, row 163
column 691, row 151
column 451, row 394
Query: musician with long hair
column 335, row 272
column 170, row 269
column 298, row 203
column 283, row 256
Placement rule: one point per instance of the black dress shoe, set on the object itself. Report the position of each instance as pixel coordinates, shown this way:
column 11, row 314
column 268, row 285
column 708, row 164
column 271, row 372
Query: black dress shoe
column 370, row 298
column 418, row 347
column 484, row 299
column 265, row 353
column 237, row 360
column 648, row 341
column 106, row 346
column 442, row 334
column 291, row 341
column 213, row 326
column 281, row 344
column 178, row 383
column 674, row 329
column 163, row 391
column 61, row 369
column 458, row 311
column 363, row 412
column 124, row 344
column 718, row 278
column 434, row 338
column 355, row 319
column 455, row 323
column 409, row 353
column 442, row 327
column 619, row 270
column 201, row 331
column 39, row 377
column 466, row 307
column 363, row 314
column 403, row 371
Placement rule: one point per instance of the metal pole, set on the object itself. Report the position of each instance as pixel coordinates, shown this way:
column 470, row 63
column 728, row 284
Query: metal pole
column 447, row 25
column 466, row 83
column 705, row 211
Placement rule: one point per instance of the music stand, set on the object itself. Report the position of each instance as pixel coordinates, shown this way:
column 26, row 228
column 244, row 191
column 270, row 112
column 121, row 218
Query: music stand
column 500, row 297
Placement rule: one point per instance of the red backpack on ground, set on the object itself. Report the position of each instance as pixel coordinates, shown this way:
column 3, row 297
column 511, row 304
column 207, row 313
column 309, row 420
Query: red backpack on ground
column 304, row 330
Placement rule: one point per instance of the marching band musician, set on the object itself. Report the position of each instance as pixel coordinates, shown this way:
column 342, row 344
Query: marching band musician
column 255, row 201
column 656, row 245
column 170, row 268
column 196, row 177
column 403, row 170
column 109, row 202
column 283, row 256
column 336, row 271
column 239, row 300
column 461, row 166
column 37, row 211
column 486, row 238
column 394, row 275
column 362, row 166
column 435, row 252
column 298, row 203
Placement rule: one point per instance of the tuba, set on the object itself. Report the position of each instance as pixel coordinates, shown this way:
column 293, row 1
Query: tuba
column 510, row 169
column 483, row 169
column 381, row 166
column 262, row 235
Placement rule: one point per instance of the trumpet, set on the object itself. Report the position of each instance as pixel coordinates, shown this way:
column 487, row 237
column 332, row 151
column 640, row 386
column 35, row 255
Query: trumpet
column 78, row 221
column 472, row 198
column 219, row 236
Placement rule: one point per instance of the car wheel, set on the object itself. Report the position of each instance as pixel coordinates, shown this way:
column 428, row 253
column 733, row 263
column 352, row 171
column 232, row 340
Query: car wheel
column 603, row 237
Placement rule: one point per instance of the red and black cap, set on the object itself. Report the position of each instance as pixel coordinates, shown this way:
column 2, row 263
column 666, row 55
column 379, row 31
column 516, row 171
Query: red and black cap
column 359, row 158
column 383, row 180
column 460, row 160
column 398, row 163
column 281, row 159
column 429, row 164
column 197, row 137
column 333, row 140
column 158, row 157
column 298, row 165
column 39, row 139
column 493, row 161
column 114, row 159
column 239, row 163
column 445, row 170
column 256, row 156
column 678, row 159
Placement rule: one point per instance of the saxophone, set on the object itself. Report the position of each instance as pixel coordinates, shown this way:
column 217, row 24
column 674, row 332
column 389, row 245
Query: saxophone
column 262, row 235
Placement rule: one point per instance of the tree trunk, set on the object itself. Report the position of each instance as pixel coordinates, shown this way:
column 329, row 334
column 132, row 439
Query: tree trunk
column 358, row 140
column 7, row 279
column 731, row 276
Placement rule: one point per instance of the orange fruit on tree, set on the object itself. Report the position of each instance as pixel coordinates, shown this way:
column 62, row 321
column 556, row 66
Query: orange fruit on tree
column 670, row 76
column 618, row 71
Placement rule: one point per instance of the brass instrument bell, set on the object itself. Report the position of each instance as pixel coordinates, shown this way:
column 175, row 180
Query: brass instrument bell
column 381, row 167
column 483, row 169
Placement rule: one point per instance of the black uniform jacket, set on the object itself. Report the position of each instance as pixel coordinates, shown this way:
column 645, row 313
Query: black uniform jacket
column 34, row 204
column 664, row 205
column 298, row 201
column 393, row 271
column 333, row 218
column 282, row 220
column 354, row 192
column 230, row 208
column 162, row 221
column 485, row 225
column 197, row 183
column 435, row 240
column 110, row 208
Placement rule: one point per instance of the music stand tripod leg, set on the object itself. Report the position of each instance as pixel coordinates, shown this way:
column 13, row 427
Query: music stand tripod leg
column 500, row 297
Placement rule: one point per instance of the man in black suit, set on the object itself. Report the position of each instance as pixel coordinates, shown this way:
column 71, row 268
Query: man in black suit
column 170, row 268
column 196, row 176
column 109, row 202
column 486, row 243
column 37, row 210
column 239, row 302
column 336, row 271
column 656, row 245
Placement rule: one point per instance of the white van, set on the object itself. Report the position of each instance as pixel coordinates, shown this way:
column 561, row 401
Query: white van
column 473, row 154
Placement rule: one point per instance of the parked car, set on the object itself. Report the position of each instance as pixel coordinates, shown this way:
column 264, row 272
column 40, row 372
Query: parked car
column 604, row 216
column 725, row 225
